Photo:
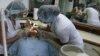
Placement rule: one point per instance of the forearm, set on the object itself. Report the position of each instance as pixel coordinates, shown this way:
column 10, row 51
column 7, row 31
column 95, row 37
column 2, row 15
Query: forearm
column 46, row 28
column 15, row 37
column 12, row 40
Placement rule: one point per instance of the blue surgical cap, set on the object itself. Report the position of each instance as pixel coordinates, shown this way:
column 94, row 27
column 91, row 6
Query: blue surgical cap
column 47, row 13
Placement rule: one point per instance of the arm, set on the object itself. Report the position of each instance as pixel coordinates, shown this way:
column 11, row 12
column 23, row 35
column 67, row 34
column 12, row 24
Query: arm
column 8, row 40
column 14, row 38
column 45, row 28
column 18, row 35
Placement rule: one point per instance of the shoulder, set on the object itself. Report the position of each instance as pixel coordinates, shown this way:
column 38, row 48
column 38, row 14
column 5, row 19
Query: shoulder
column 62, row 17
column 89, row 8
column 62, row 21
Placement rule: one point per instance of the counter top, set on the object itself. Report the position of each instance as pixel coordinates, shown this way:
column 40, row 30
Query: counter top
column 90, row 37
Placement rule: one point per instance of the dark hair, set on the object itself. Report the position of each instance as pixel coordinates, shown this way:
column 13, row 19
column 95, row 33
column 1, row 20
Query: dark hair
column 13, row 15
column 6, row 12
column 81, row 5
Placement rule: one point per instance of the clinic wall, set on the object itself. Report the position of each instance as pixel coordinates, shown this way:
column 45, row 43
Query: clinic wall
column 66, row 6
column 4, row 3
column 56, row 2
column 38, row 3
column 83, row 2
column 98, row 1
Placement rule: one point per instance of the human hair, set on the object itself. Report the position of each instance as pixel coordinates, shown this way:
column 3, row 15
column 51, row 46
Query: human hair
column 6, row 12
column 13, row 16
column 81, row 5
column 47, row 13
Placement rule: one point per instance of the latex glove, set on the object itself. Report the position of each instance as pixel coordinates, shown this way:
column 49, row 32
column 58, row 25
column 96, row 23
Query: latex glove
column 34, row 27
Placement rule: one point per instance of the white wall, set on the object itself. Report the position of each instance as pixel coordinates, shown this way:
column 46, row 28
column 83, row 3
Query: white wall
column 4, row 3
column 56, row 2
column 69, row 6
column 98, row 1
column 82, row 1
column 65, row 6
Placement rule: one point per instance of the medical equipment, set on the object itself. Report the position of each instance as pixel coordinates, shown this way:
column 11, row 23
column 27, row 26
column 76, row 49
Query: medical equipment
column 71, row 50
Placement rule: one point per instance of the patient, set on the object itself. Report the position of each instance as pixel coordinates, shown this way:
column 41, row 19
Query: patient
column 31, row 45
